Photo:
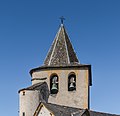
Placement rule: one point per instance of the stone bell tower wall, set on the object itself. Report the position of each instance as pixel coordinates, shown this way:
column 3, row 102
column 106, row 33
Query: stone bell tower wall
column 78, row 98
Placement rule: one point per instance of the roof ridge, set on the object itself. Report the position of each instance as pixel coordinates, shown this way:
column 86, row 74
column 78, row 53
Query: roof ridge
column 54, row 45
column 32, row 87
column 104, row 113
column 66, row 46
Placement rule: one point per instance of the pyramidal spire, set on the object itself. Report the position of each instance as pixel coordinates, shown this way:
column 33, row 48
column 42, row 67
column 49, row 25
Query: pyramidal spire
column 61, row 52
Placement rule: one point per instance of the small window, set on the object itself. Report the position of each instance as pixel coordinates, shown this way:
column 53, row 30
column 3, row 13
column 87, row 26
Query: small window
column 54, row 84
column 23, row 113
column 23, row 93
column 72, row 82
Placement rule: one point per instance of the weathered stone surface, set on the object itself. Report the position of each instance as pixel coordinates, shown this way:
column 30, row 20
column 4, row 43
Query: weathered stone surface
column 78, row 98
column 30, row 98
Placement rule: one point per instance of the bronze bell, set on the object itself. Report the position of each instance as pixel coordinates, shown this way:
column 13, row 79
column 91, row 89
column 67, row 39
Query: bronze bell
column 54, row 88
column 71, row 85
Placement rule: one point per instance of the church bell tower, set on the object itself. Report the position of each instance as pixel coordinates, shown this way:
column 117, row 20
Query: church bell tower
column 68, row 80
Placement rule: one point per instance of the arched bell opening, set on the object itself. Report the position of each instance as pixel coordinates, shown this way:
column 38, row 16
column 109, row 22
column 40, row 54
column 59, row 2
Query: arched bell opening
column 54, row 84
column 71, row 82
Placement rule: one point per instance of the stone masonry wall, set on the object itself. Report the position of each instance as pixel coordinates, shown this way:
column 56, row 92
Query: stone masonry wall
column 78, row 98
column 29, row 101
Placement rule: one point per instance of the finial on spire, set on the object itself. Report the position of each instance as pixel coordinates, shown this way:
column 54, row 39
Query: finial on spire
column 62, row 19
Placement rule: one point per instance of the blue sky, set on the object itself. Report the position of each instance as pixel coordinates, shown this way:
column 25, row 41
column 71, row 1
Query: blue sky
column 27, row 29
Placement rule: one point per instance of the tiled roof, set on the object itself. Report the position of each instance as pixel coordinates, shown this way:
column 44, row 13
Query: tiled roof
column 63, row 110
column 59, row 110
column 61, row 51
column 94, row 113
column 33, row 87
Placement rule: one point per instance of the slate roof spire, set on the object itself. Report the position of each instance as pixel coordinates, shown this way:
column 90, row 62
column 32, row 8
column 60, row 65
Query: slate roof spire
column 61, row 52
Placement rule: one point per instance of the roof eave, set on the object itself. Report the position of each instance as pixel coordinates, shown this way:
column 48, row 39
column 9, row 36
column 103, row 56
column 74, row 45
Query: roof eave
column 66, row 66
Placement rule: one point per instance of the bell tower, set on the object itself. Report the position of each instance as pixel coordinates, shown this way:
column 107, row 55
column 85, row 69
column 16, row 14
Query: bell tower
column 68, row 80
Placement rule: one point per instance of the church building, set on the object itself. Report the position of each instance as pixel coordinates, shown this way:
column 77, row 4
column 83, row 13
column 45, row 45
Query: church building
column 61, row 86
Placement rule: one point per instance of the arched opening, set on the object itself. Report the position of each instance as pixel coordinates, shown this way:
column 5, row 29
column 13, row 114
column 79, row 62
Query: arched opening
column 54, row 84
column 71, row 82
